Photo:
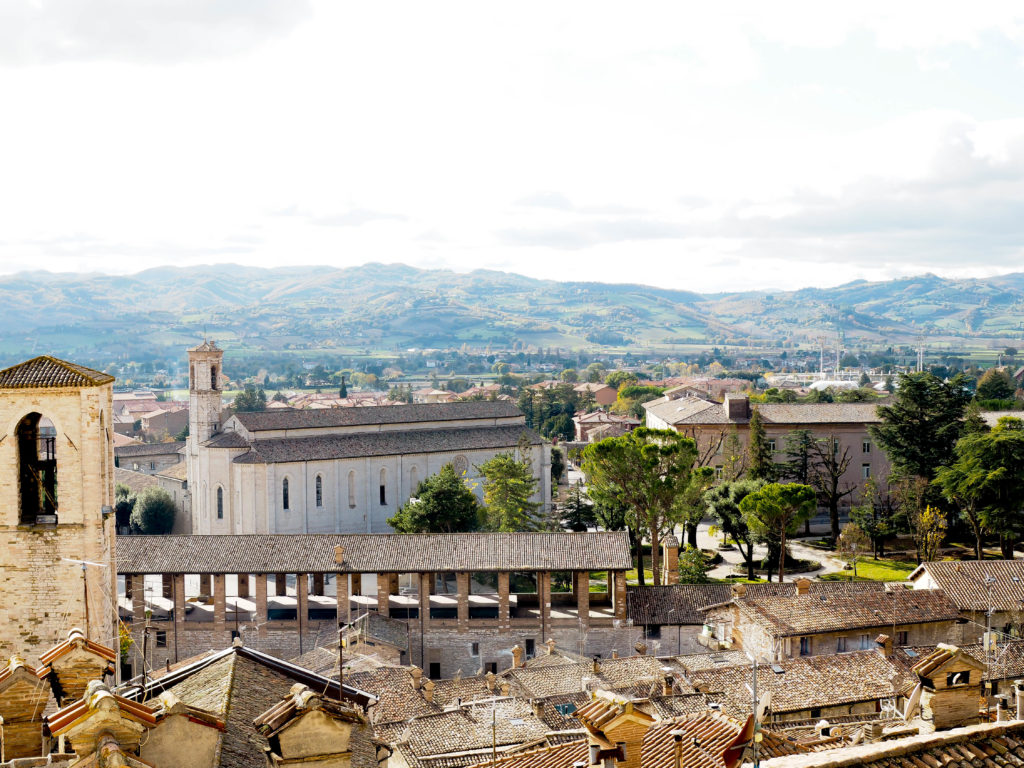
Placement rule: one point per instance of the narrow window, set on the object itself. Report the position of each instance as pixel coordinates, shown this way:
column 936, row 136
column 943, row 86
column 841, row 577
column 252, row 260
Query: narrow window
column 284, row 494
column 161, row 638
column 865, row 446
column 319, row 491
column 474, row 649
column 718, row 472
column 152, row 465
column 865, row 471
column 213, row 377
column 435, row 670
column 531, row 647
column 865, row 642
column 414, row 479
column 383, row 487
column 771, row 445
column 220, row 503
column 351, row 490
column 805, row 646
column 192, row 376
column 835, row 445
column 840, row 645
column 901, row 638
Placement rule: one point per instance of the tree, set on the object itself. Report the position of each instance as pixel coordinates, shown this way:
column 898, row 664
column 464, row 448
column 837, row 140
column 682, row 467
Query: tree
column 829, row 462
column 183, row 435
column 774, row 511
column 577, row 512
column 797, row 467
column 875, row 515
column 920, row 429
column 153, row 513
column 250, row 399
column 723, row 501
column 617, row 379
column 124, row 503
column 851, row 544
column 911, row 499
column 279, row 397
column 689, row 507
column 557, row 465
column 343, row 389
column 864, row 381
column 570, row 375
column 693, row 568
column 995, row 384
column 760, row 461
column 509, row 485
column 644, row 470
column 442, row 503
column 973, row 420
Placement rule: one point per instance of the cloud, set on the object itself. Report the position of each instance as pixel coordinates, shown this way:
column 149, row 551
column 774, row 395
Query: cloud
column 356, row 217
column 141, row 31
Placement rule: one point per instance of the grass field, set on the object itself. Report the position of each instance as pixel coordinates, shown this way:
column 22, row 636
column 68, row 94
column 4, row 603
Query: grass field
column 875, row 570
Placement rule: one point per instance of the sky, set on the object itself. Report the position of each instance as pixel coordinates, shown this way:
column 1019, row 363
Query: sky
column 736, row 147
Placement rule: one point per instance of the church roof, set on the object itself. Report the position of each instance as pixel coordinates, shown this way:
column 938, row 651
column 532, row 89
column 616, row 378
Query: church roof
column 206, row 346
column 280, row 418
column 45, row 372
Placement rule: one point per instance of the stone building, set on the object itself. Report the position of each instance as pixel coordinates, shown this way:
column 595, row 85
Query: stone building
column 335, row 470
column 987, row 593
column 56, row 488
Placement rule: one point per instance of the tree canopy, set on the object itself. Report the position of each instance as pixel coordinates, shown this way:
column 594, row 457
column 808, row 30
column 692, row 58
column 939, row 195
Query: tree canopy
column 250, row 399
column 723, row 501
column 509, row 485
column 442, row 503
column 995, row 384
column 774, row 511
column 760, row 463
column 153, row 512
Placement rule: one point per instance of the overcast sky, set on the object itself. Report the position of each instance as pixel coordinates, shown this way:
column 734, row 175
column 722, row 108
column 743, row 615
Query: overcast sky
column 771, row 145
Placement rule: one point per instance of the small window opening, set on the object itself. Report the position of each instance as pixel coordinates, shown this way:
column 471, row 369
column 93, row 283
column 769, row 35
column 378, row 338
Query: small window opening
column 319, row 491
column 284, row 494
column 220, row 503
column 213, row 377
column 383, row 487
column 161, row 638
column 37, row 455
column 351, row 489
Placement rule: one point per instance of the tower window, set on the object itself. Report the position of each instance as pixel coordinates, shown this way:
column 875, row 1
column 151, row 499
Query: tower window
column 351, row 489
column 220, row 503
column 383, row 487
column 213, row 377
column 37, row 467
column 319, row 491
column 284, row 494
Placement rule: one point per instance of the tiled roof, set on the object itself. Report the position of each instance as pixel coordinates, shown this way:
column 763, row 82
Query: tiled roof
column 636, row 673
column 694, row 411
column 965, row 582
column 393, row 443
column 297, row 701
column 135, row 481
column 1005, row 663
column 373, row 552
column 775, row 588
column 940, row 657
column 177, row 471
column 975, row 746
column 206, row 346
column 148, row 449
column 815, row 613
column 808, row 682
column 259, row 421
column 227, row 440
column 47, row 372
column 397, row 700
column 675, row 604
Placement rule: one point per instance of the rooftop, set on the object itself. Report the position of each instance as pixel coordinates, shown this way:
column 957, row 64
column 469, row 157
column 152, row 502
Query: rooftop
column 971, row 585
column 699, row 412
column 279, row 419
column 47, row 372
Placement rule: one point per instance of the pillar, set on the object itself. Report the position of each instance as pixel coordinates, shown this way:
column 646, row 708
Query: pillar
column 178, row 592
column 619, row 596
column 504, row 614
column 302, row 598
column 260, row 617
column 137, row 589
column 462, row 587
column 344, row 604
column 670, row 559
column 544, row 602
column 205, row 585
column 219, row 603
column 280, row 584
column 318, row 584
column 243, row 585
column 581, row 580
column 426, row 583
column 384, row 594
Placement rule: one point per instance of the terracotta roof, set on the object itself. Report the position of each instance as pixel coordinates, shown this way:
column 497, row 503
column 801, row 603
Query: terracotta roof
column 47, row 372
column 964, row 581
column 940, row 657
column 775, row 588
column 75, row 639
column 396, row 698
column 373, row 552
column 392, row 414
column 675, row 604
column 814, row 613
column 177, row 471
column 63, row 719
column 975, row 746
column 392, row 443
column 148, row 449
column 135, row 481
column 635, row 673
column 298, row 700
column 694, row 411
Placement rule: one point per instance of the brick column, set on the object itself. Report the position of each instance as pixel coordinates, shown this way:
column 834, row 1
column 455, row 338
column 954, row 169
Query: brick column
column 280, row 584
column 544, row 602
column 302, row 597
column 344, row 604
column 383, row 594
column 178, row 592
column 136, row 583
column 318, row 584
column 462, row 587
column 619, row 596
column 581, row 580
column 219, row 603
column 504, row 618
column 426, row 581
column 243, row 585
column 260, row 617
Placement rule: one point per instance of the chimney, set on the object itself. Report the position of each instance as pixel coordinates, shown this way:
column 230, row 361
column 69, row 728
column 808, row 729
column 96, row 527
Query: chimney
column 739, row 590
column 504, row 687
column 596, row 666
column 417, row 676
column 641, row 648
column 875, row 729
column 666, row 685
column 538, row 707
column 823, row 729
column 551, row 646
column 339, row 554
column 803, row 584
column 615, row 653
column 517, row 656
column 1018, row 689
column 884, row 643
column 489, row 681
column 670, row 559
column 737, row 407
column 428, row 690
column 1000, row 708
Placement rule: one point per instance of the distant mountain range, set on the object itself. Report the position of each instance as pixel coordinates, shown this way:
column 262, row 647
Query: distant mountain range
column 391, row 307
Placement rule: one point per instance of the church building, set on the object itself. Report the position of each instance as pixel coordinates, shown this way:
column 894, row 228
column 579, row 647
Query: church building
column 334, row 470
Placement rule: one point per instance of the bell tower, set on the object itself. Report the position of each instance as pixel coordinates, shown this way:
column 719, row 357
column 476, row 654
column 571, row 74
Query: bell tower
column 205, row 366
column 56, row 496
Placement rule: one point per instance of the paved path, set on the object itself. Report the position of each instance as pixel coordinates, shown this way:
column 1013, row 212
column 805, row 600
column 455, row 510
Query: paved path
column 732, row 557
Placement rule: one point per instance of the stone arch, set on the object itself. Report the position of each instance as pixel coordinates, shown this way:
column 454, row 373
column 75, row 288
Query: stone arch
column 37, row 469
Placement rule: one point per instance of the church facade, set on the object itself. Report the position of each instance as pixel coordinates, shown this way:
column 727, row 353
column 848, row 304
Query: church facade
column 334, row 470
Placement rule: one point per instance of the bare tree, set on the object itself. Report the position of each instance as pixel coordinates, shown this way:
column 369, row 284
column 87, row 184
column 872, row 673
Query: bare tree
column 829, row 462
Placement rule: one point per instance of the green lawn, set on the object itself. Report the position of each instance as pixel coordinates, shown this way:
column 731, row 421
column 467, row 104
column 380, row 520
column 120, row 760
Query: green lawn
column 875, row 570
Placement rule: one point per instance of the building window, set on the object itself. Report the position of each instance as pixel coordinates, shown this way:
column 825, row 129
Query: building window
column 865, row 471
column 474, row 649
column 805, row 646
column 771, row 445
column 531, row 648
column 435, row 670
column 161, row 638
column 152, row 465
column 284, row 494
column 865, row 642
column 213, row 377
column 901, row 638
column 37, row 468
column 414, row 479
column 835, row 445
column 958, row 678
column 718, row 472
column 492, row 667
column 351, row 490
column 865, row 446
column 220, row 503
column 840, row 645
column 319, row 491
column 383, row 487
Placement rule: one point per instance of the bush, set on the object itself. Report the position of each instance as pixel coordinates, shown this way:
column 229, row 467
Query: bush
column 153, row 513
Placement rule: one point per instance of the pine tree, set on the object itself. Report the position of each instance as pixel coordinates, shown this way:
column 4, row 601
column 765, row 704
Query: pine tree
column 760, row 465
column 509, row 485
column 343, row 390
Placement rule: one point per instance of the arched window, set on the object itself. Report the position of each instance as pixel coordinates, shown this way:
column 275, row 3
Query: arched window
column 319, row 491
column 352, row 490
column 383, row 487
column 284, row 494
column 414, row 479
column 220, row 503
column 37, row 468
column 213, row 377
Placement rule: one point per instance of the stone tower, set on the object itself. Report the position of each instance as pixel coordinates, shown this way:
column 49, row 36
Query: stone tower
column 57, row 565
column 205, row 365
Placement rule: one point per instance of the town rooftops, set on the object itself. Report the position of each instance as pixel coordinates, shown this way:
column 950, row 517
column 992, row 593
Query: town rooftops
column 281, row 419
column 975, row 586
column 148, row 449
column 47, row 372
column 673, row 604
column 373, row 553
